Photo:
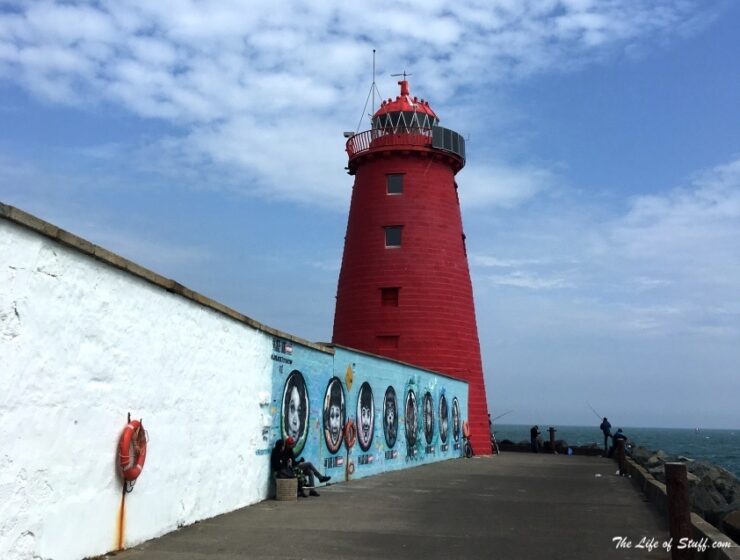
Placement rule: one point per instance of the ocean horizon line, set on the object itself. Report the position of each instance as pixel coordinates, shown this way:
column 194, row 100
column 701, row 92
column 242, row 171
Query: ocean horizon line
column 625, row 426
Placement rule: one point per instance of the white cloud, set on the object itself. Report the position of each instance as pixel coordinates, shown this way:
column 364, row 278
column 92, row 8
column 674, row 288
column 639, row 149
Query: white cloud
column 668, row 265
column 490, row 261
column 691, row 232
column 521, row 279
column 327, row 265
column 488, row 184
column 283, row 164
column 644, row 283
column 253, row 72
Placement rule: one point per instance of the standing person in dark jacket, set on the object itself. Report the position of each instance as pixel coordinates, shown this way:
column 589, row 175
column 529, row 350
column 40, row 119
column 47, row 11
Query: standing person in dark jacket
column 606, row 427
column 533, row 434
column 615, row 441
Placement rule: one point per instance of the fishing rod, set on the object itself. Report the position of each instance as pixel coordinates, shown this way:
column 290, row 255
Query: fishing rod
column 599, row 416
column 501, row 415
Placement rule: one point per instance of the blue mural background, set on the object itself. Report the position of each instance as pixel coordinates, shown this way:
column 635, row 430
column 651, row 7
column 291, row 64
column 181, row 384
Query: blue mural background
column 353, row 369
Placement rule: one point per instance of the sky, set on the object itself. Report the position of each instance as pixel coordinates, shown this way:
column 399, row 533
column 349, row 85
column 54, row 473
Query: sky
column 601, row 195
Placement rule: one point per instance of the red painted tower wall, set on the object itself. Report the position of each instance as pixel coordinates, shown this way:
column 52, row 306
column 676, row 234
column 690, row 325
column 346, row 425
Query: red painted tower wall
column 432, row 323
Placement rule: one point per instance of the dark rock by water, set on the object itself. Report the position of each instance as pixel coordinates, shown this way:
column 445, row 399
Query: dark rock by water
column 641, row 455
column 714, row 492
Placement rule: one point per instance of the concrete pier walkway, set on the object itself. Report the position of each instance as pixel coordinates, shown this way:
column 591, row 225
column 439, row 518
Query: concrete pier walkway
column 512, row 506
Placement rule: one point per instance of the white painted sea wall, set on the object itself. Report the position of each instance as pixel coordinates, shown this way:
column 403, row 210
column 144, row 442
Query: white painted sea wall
column 87, row 337
column 81, row 345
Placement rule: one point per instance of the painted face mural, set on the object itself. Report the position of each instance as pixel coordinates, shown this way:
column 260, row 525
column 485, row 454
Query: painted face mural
column 390, row 417
column 295, row 409
column 365, row 416
column 334, row 414
column 428, row 417
column 443, row 415
column 455, row 419
column 410, row 418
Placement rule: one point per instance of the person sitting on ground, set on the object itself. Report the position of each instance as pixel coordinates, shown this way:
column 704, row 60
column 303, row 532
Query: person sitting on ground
column 616, row 438
column 278, row 461
column 281, row 464
column 606, row 427
column 305, row 471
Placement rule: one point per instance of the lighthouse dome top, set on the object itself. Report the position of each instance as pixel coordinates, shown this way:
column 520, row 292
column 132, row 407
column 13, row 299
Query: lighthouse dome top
column 406, row 124
column 405, row 111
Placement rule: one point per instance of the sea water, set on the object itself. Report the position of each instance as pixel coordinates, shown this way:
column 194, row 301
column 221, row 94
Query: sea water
column 721, row 447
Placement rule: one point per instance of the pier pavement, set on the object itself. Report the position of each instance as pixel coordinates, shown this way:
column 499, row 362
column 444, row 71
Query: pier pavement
column 512, row 506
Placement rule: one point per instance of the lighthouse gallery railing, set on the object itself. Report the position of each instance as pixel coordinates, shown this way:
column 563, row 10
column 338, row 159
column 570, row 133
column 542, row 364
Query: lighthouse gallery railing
column 435, row 137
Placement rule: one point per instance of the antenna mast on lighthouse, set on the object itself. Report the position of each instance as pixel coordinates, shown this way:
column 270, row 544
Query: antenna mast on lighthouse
column 371, row 93
column 372, row 87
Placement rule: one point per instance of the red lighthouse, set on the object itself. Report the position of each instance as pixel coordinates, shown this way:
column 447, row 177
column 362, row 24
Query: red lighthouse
column 404, row 287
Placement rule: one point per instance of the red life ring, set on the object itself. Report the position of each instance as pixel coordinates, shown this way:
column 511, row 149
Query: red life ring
column 466, row 429
column 350, row 434
column 132, row 450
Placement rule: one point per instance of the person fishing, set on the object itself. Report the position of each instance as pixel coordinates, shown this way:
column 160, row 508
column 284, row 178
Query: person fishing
column 606, row 427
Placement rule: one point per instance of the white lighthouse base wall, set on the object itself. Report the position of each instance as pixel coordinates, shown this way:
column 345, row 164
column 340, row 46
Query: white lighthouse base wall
column 87, row 337
column 81, row 345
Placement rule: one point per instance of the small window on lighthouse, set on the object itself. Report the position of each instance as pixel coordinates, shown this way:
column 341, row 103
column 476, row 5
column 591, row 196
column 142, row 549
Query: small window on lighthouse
column 393, row 236
column 388, row 342
column 394, row 183
column 389, row 297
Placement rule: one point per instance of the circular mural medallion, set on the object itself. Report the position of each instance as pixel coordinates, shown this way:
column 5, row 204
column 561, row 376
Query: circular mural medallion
column 443, row 419
column 390, row 417
column 411, row 424
column 334, row 414
column 455, row 419
column 428, row 417
column 365, row 416
column 295, row 410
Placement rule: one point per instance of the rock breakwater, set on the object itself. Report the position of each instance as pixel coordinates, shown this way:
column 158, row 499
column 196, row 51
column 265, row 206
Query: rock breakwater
column 714, row 492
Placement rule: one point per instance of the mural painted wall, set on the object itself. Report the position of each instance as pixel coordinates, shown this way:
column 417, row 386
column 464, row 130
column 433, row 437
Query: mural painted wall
column 86, row 337
column 299, row 377
column 401, row 413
